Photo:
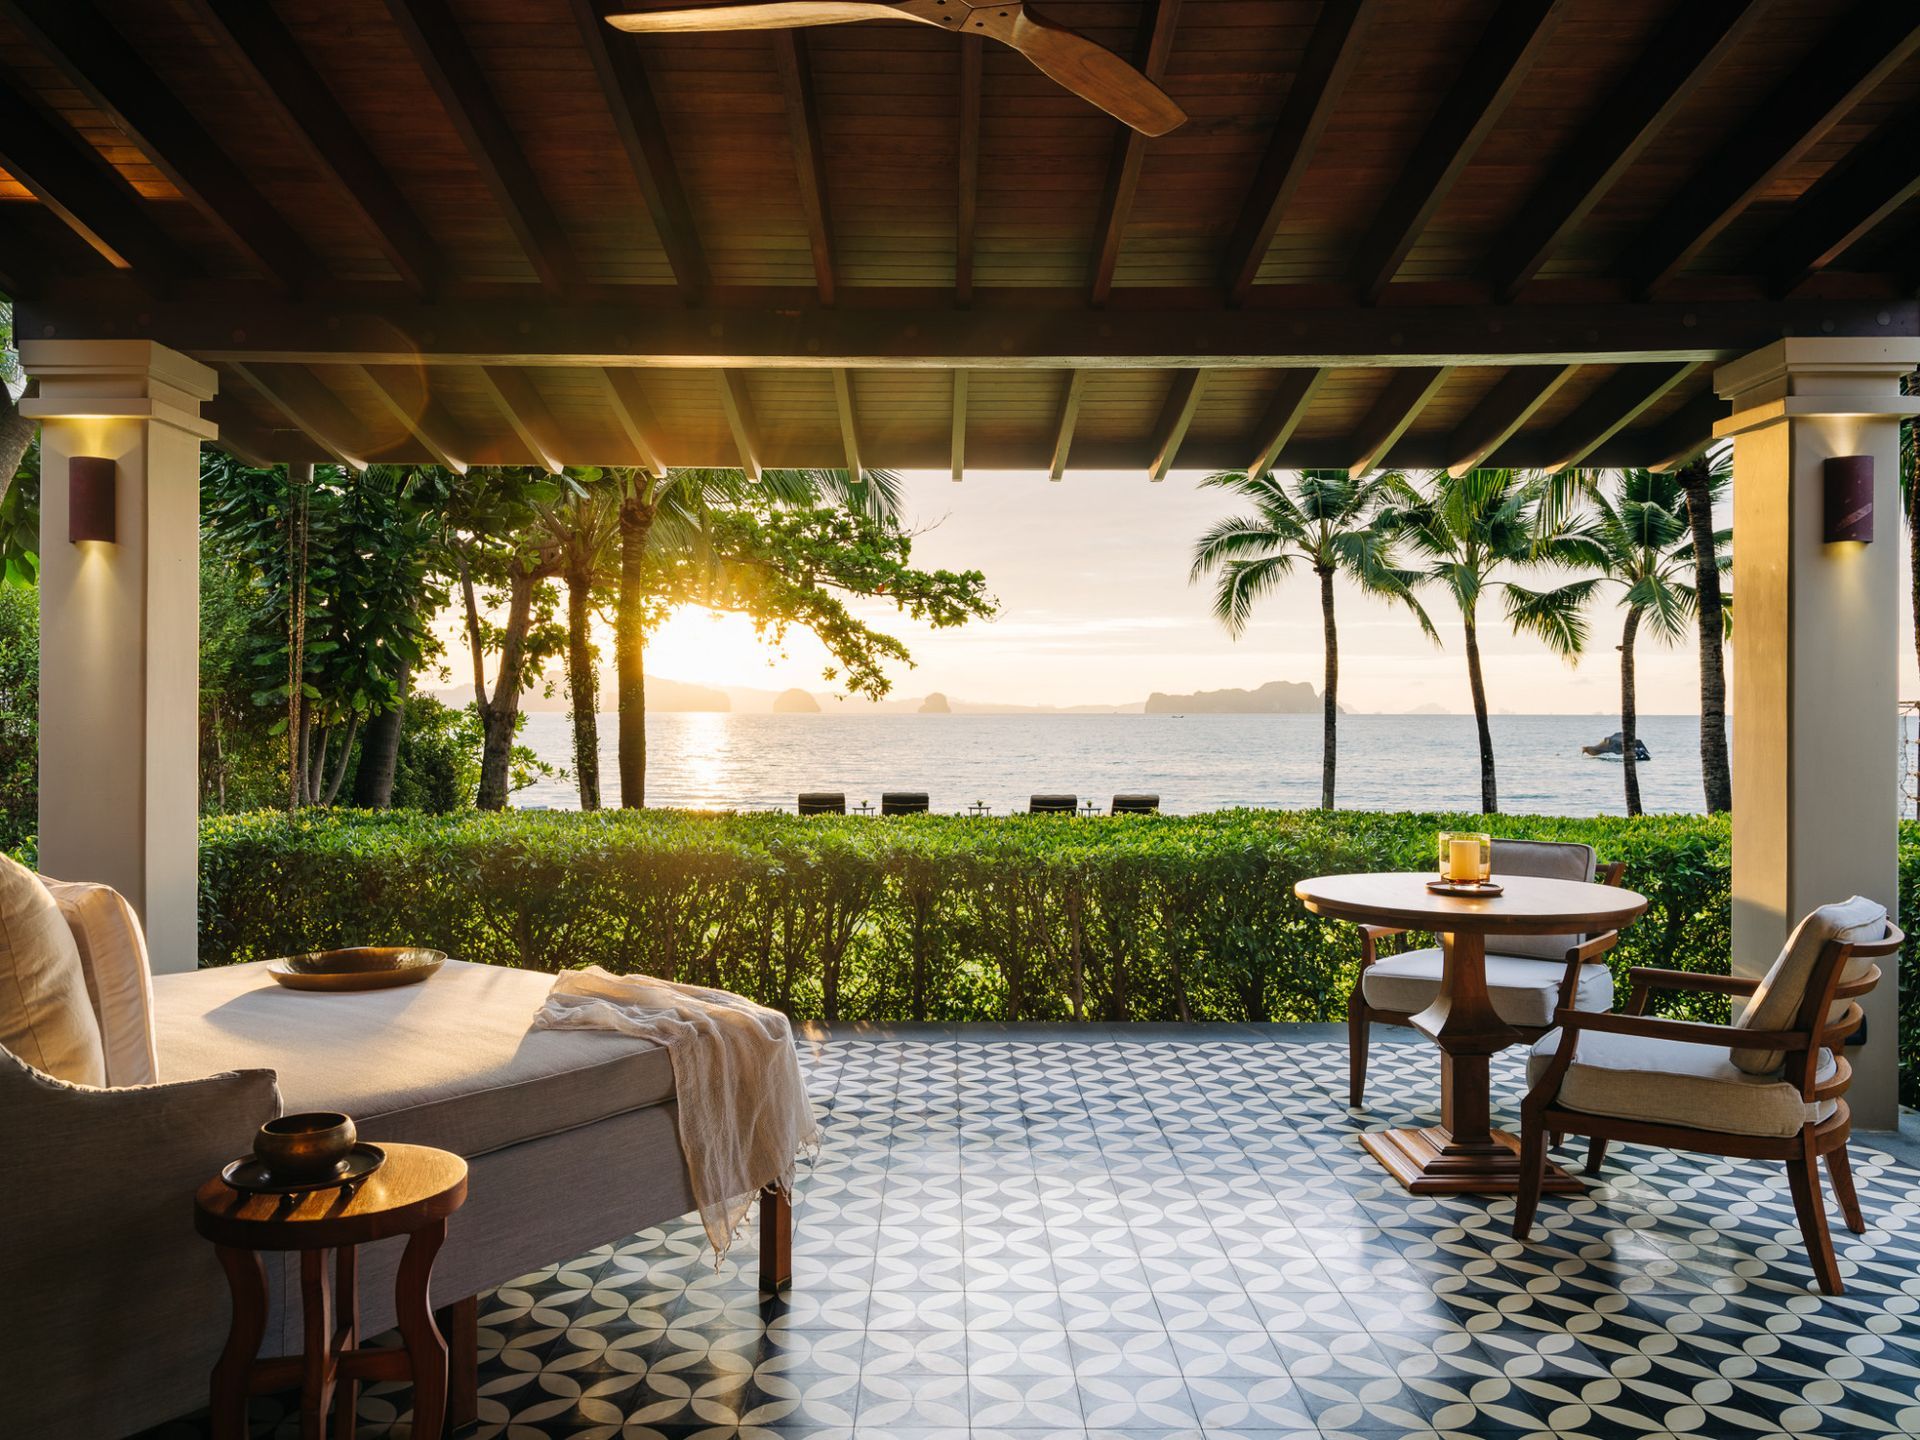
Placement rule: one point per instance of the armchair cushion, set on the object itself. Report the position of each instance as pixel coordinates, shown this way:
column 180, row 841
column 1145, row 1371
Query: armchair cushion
column 1524, row 991
column 1673, row 1082
column 1775, row 1004
column 45, row 1019
column 1543, row 860
column 113, row 955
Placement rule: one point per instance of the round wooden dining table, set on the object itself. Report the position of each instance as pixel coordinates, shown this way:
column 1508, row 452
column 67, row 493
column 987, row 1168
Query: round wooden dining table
column 1464, row 1152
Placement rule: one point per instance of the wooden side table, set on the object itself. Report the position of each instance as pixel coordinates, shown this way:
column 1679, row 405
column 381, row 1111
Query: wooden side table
column 412, row 1195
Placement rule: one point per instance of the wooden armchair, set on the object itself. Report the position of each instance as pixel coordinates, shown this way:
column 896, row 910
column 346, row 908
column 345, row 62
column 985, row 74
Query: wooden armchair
column 1692, row 1086
column 1529, row 977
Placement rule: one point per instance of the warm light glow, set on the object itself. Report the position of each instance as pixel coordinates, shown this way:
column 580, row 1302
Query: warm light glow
column 702, row 647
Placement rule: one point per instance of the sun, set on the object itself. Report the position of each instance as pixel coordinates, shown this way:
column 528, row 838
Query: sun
column 707, row 647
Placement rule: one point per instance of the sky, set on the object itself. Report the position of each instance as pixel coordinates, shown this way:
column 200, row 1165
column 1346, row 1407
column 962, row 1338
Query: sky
column 1095, row 608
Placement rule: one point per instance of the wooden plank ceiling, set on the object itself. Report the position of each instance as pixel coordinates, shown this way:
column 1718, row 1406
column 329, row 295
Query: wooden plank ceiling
column 1392, row 232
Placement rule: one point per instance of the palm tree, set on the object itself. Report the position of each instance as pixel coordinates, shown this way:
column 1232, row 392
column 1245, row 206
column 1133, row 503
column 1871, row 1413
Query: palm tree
column 1643, row 539
column 1468, row 527
column 1704, row 480
column 1330, row 521
column 585, row 526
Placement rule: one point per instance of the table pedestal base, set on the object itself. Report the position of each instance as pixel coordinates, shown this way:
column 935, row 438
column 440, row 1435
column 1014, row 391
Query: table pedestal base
column 1431, row 1162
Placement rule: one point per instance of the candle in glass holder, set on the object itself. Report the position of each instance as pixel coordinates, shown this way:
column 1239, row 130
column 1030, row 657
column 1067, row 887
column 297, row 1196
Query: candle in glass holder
column 1463, row 859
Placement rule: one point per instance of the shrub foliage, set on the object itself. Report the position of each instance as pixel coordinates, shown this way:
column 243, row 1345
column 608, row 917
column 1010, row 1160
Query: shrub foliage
column 915, row 918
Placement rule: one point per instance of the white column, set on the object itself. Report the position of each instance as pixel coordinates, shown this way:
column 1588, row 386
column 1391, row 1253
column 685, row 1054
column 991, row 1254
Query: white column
column 120, row 630
column 1815, row 634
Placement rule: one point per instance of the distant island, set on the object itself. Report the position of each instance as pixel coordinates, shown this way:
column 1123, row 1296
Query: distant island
column 795, row 702
column 935, row 704
column 1276, row 697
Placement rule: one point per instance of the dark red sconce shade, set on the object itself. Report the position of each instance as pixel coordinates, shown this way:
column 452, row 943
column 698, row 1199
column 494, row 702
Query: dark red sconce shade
column 89, row 499
column 1849, row 498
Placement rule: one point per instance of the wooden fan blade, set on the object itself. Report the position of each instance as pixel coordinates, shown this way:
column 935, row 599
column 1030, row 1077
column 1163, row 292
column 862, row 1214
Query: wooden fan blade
column 1094, row 73
column 773, row 15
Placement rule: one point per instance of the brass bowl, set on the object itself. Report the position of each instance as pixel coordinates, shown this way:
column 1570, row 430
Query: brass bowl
column 361, row 967
column 307, row 1146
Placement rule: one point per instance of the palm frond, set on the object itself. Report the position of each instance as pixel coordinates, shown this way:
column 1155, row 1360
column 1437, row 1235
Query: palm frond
column 1557, row 617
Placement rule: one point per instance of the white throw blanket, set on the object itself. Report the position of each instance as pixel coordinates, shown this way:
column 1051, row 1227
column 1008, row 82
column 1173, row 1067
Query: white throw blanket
column 744, row 1113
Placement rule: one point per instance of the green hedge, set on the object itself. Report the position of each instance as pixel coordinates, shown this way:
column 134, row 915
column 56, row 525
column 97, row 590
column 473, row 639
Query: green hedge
column 920, row 918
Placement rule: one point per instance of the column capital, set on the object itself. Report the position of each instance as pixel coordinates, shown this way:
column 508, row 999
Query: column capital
column 1814, row 375
column 118, row 379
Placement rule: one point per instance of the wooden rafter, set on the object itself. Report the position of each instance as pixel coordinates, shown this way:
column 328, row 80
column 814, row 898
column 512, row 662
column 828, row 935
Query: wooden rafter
column 636, row 116
column 77, row 188
column 241, row 438
column 1622, row 399
column 1064, row 426
column 422, row 419
column 1157, row 23
column 1291, row 401
column 288, row 82
column 849, row 424
column 1406, row 395
column 1848, row 202
column 1488, row 81
column 738, row 405
column 1868, row 42
column 90, row 53
column 958, row 448
column 1333, row 49
column 620, row 385
column 309, row 406
column 1683, row 434
column 1176, row 417
column 809, row 158
column 968, row 201
column 1685, row 51
column 453, row 72
column 1515, row 398
column 525, row 413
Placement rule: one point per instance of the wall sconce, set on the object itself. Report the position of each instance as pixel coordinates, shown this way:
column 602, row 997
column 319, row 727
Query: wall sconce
column 1849, row 498
column 90, row 497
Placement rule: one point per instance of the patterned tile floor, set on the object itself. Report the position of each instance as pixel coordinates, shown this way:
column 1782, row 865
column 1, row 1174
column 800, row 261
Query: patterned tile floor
column 1160, row 1235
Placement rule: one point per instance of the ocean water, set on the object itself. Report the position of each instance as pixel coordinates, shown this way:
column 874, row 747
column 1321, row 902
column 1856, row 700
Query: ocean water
column 1195, row 763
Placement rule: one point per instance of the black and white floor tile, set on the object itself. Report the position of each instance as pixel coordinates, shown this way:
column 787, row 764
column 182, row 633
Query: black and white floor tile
column 1051, row 1236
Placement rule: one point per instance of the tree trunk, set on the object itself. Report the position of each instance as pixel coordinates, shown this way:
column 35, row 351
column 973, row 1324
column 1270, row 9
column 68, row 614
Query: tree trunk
column 583, row 687
column 1629, row 720
column 332, row 791
column 380, row 753
column 299, row 486
column 630, row 650
column 1330, row 698
column 16, row 434
column 500, row 712
column 1489, row 792
column 1715, row 770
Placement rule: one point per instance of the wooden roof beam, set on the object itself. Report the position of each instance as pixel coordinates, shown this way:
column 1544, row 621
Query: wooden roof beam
column 809, row 159
column 636, row 116
column 1685, row 51
column 239, row 436
column 1157, row 23
column 1850, row 200
column 1624, row 397
column 1291, row 401
column 442, row 52
column 287, row 81
column 1868, row 42
column 1063, row 427
column 738, row 405
column 313, row 409
column 968, row 200
column 620, row 385
column 1333, row 49
column 1685, row 433
column 1176, row 418
column 1515, row 398
column 525, row 412
column 1489, row 79
column 82, row 192
column 1399, row 405
column 424, row 421
column 109, row 72
column 958, row 447
column 849, row 424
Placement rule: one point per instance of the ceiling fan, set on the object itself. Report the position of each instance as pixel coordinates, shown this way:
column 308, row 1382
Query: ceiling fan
column 1090, row 71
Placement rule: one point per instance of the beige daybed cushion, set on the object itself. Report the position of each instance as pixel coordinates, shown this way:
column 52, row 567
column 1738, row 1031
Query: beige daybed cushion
column 113, row 956
column 450, row 1062
column 1523, row 991
column 45, row 1018
column 1669, row 1082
